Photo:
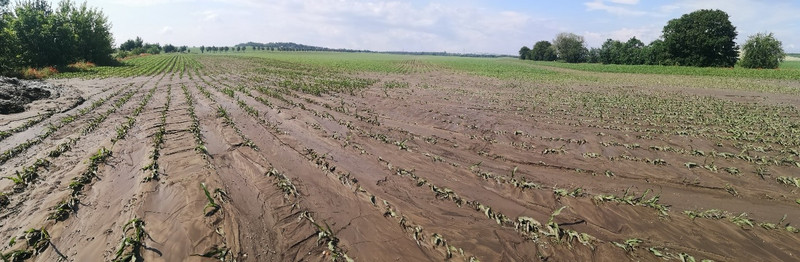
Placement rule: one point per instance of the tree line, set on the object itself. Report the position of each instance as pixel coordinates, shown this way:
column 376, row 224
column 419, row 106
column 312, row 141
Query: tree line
column 138, row 46
column 703, row 38
column 35, row 34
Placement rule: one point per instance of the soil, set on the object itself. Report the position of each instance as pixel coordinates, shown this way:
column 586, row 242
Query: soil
column 366, row 167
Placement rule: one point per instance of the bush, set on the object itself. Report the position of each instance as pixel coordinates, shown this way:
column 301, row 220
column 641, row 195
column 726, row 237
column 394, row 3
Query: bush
column 33, row 73
column 524, row 53
column 543, row 51
column 762, row 50
column 570, row 48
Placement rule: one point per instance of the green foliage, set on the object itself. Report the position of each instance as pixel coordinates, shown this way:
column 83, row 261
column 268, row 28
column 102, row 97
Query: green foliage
column 8, row 41
column 131, row 44
column 632, row 52
column 524, row 53
column 762, row 50
column 48, row 37
column 543, row 51
column 570, row 48
column 701, row 38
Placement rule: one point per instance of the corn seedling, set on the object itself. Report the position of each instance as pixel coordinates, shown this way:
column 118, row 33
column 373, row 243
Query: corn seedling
column 791, row 181
column 132, row 241
column 742, row 220
column 629, row 244
column 216, row 252
column 64, row 208
column 212, row 206
column 709, row 214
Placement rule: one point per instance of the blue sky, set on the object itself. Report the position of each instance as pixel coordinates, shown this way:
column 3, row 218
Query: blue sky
column 474, row 26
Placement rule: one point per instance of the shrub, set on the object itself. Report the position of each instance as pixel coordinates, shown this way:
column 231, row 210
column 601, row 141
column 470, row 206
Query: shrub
column 762, row 50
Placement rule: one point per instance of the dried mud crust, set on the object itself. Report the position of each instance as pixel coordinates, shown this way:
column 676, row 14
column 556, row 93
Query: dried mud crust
column 452, row 166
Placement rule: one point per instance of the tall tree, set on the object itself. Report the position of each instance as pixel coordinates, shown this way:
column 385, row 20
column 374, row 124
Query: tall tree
column 701, row 38
column 524, row 53
column 34, row 32
column 92, row 31
column 570, row 48
column 762, row 50
column 8, row 40
column 543, row 51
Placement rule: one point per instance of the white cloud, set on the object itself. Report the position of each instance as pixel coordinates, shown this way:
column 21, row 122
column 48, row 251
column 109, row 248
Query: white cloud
column 376, row 25
column 646, row 34
column 613, row 9
column 625, row 2
column 209, row 15
column 166, row 30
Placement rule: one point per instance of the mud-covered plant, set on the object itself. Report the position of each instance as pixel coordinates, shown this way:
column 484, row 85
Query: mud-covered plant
column 86, row 177
column 629, row 244
column 216, row 252
column 742, row 220
column 36, row 240
column 64, row 208
column 791, row 181
column 552, row 229
column 212, row 206
column 17, row 255
column 283, row 183
column 4, row 200
column 633, row 200
column 715, row 214
column 132, row 241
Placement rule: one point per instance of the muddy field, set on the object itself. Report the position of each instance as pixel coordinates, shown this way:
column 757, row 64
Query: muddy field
column 253, row 159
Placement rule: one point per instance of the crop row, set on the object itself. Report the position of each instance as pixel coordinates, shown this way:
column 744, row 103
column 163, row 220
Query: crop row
column 52, row 128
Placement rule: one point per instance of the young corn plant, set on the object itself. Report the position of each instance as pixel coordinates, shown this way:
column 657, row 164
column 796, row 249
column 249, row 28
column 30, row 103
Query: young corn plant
column 64, row 208
column 629, row 245
column 742, row 220
column 132, row 241
column 216, row 252
column 212, row 206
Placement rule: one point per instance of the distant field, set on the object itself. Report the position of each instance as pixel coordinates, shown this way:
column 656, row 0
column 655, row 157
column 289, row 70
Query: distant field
column 788, row 70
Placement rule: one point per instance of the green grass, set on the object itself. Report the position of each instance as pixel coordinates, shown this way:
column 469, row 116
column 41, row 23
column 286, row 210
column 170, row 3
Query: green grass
column 788, row 70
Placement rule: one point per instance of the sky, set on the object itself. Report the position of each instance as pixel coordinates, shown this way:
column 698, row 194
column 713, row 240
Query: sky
column 465, row 26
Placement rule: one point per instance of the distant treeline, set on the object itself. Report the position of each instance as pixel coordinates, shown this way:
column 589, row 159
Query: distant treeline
column 703, row 38
column 289, row 46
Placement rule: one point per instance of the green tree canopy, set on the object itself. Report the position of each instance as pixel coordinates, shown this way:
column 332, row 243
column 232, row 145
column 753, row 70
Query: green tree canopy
column 524, row 53
column 701, row 38
column 570, row 48
column 543, row 51
column 37, row 35
column 762, row 50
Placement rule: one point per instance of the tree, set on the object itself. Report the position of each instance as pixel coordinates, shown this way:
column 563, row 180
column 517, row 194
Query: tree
column 593, row 55
column 8, row 40
column 132, row 44
column 611, row 52
column 633, row 52
column 570, row 48
column 35, row 34
column 543, row 51
column 656, row 53
column 169, row 48
column 762, row 50
column 92, row 31
column 524, row 53
column 701, row 38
